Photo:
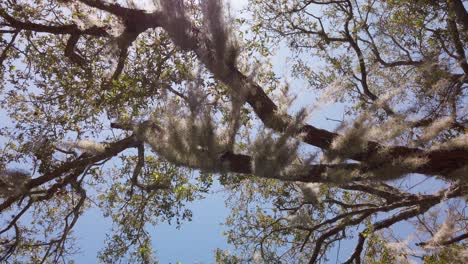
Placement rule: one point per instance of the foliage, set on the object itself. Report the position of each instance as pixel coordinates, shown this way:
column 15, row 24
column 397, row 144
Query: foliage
column 137, row 107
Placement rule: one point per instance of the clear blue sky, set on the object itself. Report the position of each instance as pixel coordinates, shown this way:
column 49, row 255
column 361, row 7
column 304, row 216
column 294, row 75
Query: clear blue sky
column 194, row 242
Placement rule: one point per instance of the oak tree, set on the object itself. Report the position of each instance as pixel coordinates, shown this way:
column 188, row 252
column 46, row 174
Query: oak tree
column 138, row 107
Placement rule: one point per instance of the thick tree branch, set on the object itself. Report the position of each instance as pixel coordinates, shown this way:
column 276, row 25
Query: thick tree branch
column 60, row 29
column 440, row 162
column 70, row 50
column 457, row 42
column 111, row 150
column 460, row 12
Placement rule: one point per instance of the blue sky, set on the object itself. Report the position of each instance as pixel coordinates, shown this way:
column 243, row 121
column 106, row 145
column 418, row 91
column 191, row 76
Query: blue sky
column 194, row 242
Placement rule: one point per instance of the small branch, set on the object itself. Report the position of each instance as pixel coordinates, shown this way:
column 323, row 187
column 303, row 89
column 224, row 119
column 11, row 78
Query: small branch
column 447, row 242
column 137, row 171
column 333, row 231
column 120, row 63
column 8, row 31
column 3, row 56
column 420, row 206
column 335, row 120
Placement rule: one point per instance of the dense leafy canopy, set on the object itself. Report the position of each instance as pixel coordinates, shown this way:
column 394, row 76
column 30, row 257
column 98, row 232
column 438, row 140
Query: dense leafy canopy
column 138, row 107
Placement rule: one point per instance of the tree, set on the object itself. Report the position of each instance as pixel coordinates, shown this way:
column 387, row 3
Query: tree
column 113, row 105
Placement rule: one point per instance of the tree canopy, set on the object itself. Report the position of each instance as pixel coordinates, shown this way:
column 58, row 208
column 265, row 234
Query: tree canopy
column 138, row 107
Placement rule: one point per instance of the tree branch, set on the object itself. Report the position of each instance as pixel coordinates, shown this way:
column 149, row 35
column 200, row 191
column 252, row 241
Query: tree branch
column 439, row 162
column 111, row 150
column 3, row 56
